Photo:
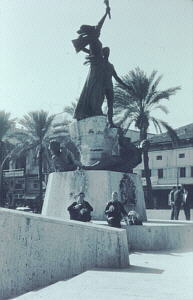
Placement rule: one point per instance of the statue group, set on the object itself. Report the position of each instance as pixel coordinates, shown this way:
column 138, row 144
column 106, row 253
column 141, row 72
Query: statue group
column 102, row 158
column 98, row 85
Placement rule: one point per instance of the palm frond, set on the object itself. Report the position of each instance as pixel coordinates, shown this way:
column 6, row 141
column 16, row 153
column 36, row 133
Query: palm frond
column 37, row 123
column 124, row 116
column 137, row 102
column 162, row 108
column 5, row 123
column 156, row 124
column 159, row 95
column 71, row 108
column 171, row 132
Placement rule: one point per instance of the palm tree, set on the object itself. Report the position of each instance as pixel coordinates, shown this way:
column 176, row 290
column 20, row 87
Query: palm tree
column 70, row 109
column 136, row 103
column 5, row 125
column 36, row 125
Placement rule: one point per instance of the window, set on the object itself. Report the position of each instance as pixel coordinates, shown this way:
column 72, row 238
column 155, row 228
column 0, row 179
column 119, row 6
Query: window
column 160, row 173
column 18, row 186
column 182, row 172
column 191, row 171
column 181, row 155
column 159, row 157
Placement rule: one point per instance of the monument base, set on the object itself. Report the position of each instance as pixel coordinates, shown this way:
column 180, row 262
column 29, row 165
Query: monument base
column 97, row 186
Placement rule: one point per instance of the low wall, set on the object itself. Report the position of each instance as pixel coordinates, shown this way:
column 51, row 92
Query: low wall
column 158, row 235
column 36, row 251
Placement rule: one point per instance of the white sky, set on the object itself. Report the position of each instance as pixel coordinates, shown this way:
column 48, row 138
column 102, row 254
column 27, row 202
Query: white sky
column 39, row 68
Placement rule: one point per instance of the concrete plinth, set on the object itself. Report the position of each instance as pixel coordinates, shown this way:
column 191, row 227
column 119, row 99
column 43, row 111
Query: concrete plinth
column 93, row 138
column 97, row 186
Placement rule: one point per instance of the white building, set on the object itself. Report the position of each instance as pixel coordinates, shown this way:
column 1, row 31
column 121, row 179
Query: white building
column 170, row 165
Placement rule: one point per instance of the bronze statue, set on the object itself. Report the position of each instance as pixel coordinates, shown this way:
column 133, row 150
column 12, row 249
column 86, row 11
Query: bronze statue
column 63, row 159
column 99, row 80
column 109, row 72
column 92, row 96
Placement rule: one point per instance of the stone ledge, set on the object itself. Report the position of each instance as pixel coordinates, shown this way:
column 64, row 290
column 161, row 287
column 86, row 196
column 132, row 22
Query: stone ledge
column 37, row 251
column 160, row 236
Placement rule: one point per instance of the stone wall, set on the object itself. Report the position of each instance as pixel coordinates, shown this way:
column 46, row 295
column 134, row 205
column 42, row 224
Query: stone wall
column 36, row 251
column 160, row 235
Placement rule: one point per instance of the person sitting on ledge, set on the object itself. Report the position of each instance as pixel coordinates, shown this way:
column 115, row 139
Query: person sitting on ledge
column 134, row 218
column 115, row 212
column 80, row 210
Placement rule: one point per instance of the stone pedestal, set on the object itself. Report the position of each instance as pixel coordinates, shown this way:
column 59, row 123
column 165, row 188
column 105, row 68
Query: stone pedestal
column 93, row 138
column 98, row 187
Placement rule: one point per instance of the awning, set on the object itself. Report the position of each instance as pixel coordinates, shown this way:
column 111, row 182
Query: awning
column 162, row 186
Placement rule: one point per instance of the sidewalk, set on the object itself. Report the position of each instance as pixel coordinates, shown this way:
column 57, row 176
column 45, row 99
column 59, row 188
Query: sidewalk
column 151, row 276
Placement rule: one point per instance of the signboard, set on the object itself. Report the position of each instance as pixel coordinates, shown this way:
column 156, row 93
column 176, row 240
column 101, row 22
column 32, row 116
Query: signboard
column 14, row 173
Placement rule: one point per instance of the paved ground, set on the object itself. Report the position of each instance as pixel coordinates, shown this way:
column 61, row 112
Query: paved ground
column 151, row 276
column 164, row 214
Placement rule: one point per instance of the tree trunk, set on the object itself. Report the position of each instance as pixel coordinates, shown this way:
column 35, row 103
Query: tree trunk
column 40, row 173
column 1, row 173
column 143, row 136
column 1, row 187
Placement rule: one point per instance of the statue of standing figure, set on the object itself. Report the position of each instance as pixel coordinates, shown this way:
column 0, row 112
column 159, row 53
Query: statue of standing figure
column 98, row 84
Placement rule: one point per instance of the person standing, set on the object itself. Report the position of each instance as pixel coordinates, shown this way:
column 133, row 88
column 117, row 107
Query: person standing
column 185, row 203
column 171, row 201
column 115, row 211
column 80, row 210
column 178, row 201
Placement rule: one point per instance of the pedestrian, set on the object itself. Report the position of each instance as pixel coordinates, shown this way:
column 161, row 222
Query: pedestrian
column 185, row 203
column 80, row 210
column 115, row 212
column 178, row 201
column 171, row 201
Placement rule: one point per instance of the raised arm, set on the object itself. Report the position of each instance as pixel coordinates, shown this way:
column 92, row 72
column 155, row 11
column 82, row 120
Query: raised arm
column 101, row 22
column 85, row 50
column 118, row 79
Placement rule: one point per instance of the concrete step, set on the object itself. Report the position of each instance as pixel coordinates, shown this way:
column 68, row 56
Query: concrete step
column 157, row 235
column 151, row 276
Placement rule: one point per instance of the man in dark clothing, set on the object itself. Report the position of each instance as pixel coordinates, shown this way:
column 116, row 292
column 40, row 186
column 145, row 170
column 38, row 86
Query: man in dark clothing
column 178, row 201
column 185, row 203
column 171, row 201
column 80, row 210
column 115, row 212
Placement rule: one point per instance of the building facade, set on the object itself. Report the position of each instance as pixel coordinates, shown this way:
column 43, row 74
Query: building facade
column 170, row 164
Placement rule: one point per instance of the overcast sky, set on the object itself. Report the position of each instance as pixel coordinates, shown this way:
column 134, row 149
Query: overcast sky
column 39, row 68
